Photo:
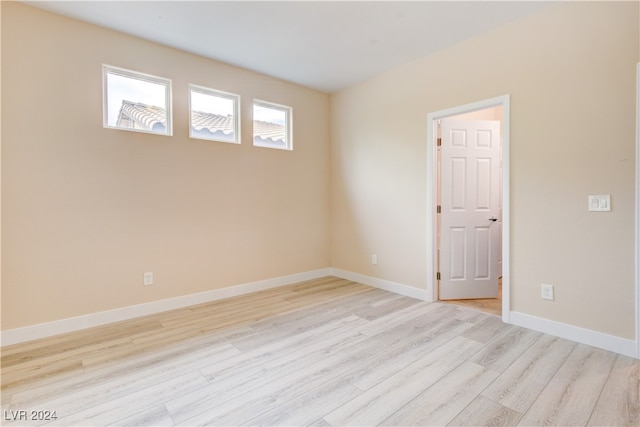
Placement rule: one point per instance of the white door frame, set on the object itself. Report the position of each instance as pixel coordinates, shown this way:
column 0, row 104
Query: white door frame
column 432, row 191
column 638, row 210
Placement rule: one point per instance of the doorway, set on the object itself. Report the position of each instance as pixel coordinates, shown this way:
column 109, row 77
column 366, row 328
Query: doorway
column 496, row 110
column 469, row 211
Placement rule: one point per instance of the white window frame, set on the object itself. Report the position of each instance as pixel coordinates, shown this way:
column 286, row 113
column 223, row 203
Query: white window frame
column 288, row 124
column 219, row 94
column 109, row 69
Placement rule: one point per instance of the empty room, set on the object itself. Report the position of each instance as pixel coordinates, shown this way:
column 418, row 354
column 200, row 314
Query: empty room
column 320, row 213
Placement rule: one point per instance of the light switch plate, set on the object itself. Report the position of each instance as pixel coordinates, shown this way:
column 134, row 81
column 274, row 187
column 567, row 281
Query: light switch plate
column 600, row 203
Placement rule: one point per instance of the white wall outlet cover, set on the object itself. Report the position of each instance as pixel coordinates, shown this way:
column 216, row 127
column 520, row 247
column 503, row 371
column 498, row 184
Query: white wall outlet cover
column 600, row 203
column 148, row 279
column 547, row 292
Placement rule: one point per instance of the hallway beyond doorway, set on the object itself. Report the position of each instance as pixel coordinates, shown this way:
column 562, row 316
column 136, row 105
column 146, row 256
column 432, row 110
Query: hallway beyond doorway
column 487, row 305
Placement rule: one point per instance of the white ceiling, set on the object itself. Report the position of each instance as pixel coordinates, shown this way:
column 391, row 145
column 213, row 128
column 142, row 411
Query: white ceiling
column 326, row 45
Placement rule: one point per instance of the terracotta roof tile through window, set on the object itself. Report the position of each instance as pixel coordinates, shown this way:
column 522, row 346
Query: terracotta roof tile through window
column 137, row 115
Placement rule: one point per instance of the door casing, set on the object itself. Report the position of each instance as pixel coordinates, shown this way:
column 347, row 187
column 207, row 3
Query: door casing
column 637, row 243
column 432, row 191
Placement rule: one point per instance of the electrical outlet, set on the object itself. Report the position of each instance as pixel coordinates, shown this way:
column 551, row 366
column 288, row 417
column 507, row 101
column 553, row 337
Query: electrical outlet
column 374, row 259
column 547, row 292
column 148, row 279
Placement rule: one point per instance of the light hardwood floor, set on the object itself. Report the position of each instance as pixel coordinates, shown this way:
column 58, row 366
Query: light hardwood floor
column 323, row 352
column 488, row 305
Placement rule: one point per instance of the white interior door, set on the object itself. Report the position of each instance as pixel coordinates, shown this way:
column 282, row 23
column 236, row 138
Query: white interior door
column 470, row 216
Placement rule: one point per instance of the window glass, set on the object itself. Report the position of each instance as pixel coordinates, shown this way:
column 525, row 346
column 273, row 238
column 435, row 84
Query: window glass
column 214, row 115
column 271, row 125
column 136, row 101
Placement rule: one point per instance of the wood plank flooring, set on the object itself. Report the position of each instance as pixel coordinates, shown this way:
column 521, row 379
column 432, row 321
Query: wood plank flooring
column 488, row 305
column 327, row 352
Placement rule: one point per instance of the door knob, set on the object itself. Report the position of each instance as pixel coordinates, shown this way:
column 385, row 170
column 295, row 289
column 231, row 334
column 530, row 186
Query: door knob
column 493, row 218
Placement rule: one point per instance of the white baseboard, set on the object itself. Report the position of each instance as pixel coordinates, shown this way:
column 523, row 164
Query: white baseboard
column 601, row 340
column 43, row 330
column 398, row 288
column 618, row 345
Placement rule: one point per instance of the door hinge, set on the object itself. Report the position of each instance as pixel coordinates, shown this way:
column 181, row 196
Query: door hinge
column 439, row 209
column 438, row 275
column 439, row 142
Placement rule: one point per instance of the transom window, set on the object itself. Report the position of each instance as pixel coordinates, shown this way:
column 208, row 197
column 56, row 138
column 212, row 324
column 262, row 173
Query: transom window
column 214, row 115
column 272, row 125
column 136, row 101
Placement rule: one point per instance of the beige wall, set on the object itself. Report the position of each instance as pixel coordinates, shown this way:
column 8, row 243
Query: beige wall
column 88, row 210
column 570, row 70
